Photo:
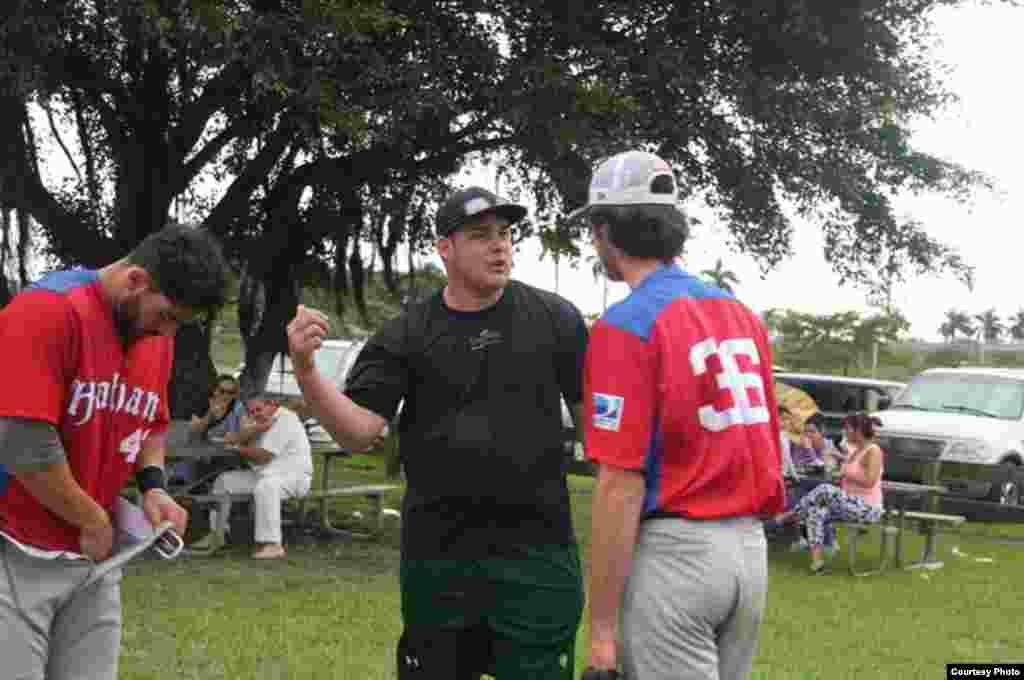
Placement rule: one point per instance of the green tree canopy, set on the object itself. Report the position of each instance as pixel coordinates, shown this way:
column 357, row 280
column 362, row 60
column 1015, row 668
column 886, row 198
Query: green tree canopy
column 320, row 122
column 841, row 342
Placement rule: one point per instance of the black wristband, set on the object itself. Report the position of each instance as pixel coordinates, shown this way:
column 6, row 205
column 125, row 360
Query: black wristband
column 600, row 674
column 150, row 477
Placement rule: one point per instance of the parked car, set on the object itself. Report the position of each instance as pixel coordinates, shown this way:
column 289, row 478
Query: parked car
column 334, row 359
column 970, row 420
column 836, row 396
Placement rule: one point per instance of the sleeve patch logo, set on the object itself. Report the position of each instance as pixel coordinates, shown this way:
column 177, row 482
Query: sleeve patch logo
column 608, row 411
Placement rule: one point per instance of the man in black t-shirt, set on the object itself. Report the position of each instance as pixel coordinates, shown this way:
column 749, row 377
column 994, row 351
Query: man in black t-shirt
column 490, row 574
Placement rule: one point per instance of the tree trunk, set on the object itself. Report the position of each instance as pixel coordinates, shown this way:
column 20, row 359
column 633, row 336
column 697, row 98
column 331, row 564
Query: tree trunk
column 268, row 337
column 194, row 371
column 355, row 267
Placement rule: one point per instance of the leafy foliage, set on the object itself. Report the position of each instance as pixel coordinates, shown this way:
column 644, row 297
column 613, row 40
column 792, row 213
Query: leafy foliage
column 990, row 325
column 720, row 277
column 841, row 342
column 315, row 136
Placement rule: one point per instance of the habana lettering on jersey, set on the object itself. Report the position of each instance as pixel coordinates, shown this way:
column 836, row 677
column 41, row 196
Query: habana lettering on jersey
column 690, row 370
column 90, row 396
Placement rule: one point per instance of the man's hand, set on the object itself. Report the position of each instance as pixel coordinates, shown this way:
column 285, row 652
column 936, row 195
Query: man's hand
column 160, row 507
column 603, row 653
column 306, row 333
column 218, row 407
column 97, row 542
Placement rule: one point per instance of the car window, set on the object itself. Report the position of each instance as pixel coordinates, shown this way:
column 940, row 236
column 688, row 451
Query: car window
column 827, row 396
column 981, row 395
column 837, row 397
column 328, row 361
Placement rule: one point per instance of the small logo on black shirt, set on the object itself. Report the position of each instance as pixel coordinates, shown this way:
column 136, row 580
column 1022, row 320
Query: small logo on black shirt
column 486, row 338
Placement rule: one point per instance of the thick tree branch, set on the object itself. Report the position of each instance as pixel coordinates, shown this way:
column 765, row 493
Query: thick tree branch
column 242, row 129
column 60, row 140
column 86, row 142
column 235, row 200
column 221, row 92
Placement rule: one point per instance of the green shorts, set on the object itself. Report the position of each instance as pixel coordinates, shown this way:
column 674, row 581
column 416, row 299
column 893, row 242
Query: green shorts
column 530, row 606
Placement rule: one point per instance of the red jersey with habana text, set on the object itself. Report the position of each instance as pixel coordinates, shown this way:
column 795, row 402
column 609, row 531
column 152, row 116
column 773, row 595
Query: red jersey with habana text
column 678, row 386
column 64, row 363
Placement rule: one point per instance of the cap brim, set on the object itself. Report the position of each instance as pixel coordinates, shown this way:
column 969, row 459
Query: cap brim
column 510, row 211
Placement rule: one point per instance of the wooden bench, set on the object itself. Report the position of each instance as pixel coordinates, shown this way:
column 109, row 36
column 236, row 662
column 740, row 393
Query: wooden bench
column 322, row 528
column 927, row 524
column 857, row 530
column 374, row 493
column 892, row 525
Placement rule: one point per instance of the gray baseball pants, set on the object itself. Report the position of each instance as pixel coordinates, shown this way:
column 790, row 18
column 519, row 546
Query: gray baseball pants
column 50, row 629
column 693, row 603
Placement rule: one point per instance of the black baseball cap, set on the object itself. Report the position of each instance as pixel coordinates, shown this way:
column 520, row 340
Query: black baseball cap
column 466, row 204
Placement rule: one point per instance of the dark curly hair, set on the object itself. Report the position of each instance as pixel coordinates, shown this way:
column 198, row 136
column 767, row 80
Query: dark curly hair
column 186, row 264
column 864, row 423
column 648, row 231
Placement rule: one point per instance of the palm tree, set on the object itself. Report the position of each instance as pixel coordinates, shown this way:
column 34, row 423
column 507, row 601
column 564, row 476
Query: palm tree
column 991, row 327
column 1015, row 325
column 947, row 330
column 720, row 277
column 960, row 321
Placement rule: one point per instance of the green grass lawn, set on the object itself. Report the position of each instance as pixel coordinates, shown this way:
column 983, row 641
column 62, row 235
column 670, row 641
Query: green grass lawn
column 331, row 610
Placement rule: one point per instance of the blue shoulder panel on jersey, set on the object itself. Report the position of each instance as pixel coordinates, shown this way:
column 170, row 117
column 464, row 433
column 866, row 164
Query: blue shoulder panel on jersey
column 64, row 281
column 638, row 312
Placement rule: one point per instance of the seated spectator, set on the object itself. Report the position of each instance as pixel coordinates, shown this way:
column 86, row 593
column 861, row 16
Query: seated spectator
column 858, row 498
column 824, row 451
column 804, row 454
column 223, row 415
column 813, row 453
column 789, row 471
column 776, row 531
column 275, row 445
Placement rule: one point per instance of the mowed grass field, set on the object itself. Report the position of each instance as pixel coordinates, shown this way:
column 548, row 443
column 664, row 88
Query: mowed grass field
column 331, row 609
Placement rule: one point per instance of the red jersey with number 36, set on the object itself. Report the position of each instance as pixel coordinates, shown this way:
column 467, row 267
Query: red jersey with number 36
column 678, row 386
column 63, row 363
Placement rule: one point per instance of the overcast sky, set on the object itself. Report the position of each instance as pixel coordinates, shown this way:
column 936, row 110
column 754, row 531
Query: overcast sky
column 983, row 131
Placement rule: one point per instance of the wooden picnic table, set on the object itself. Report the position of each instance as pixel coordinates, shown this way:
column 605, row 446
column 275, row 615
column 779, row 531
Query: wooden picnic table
column 898, row 495
column 896, row 512
column 183, row 445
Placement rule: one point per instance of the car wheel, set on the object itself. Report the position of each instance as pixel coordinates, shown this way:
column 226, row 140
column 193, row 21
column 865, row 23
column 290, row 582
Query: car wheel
column 1007, row 489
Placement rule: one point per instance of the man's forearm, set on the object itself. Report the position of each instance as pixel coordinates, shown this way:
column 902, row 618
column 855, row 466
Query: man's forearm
column 154, row 451
column 249, row 432
column 618, row 500
column 255, row 454
column 200, row 424
column 351, row 425
column 56, row 488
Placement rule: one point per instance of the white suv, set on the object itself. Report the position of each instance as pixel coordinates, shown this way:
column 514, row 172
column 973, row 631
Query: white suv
column 971, row 420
